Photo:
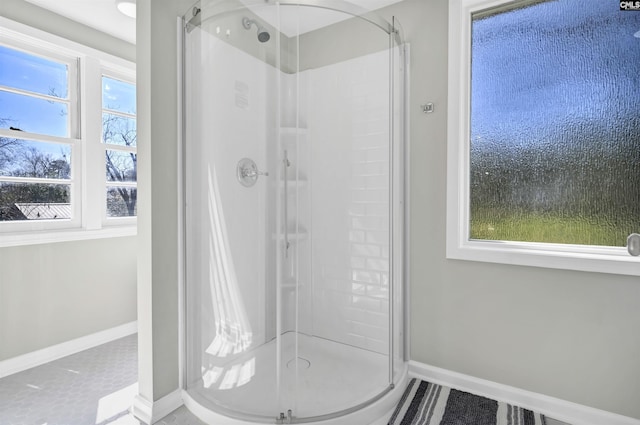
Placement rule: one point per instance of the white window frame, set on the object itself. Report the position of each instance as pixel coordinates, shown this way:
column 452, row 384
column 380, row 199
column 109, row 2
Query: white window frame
column 615, row 260
column 88, row 181
column 106, row 220
column 73, row 140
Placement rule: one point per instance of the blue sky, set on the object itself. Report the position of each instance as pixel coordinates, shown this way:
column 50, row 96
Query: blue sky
column 581, row 65
column 118, row 95
column 38, row 75
column 43, row 76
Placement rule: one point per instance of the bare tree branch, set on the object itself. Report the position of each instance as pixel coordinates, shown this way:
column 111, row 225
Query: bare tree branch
column 9, row 147
column 120, row 168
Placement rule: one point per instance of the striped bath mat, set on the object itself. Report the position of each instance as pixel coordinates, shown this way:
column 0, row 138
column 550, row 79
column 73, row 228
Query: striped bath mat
column 424, row 403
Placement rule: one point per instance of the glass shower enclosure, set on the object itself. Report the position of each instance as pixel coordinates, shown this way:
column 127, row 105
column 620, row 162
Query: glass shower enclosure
column 293, row 208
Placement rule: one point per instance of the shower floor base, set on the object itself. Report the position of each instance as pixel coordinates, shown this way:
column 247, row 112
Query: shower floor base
column 328, row 377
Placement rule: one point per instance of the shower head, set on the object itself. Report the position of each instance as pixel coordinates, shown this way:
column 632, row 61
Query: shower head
column 263, row 34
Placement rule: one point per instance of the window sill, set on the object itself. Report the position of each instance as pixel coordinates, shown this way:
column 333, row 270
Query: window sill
column 566, row 257
column 69, row 235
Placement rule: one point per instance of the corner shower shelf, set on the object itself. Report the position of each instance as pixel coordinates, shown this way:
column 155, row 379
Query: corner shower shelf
column 293, row 236
column 294, row 184
column 293, row 130
column 290, row 284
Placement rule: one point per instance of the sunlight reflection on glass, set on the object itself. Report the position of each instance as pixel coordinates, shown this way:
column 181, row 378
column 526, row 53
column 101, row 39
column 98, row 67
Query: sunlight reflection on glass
column 210, row 377
column 236, row 375
column 246, row 372
column 230, row 378
column 233, row 331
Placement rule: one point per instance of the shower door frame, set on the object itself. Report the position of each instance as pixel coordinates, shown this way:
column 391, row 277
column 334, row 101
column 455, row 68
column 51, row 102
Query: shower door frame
column 399, row 219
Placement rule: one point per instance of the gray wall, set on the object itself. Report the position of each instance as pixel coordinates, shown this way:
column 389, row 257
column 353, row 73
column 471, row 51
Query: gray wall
column 52, row 293
column 157, row 82
column 566, row 334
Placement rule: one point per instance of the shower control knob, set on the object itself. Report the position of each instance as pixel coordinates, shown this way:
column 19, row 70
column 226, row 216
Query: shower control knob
column 247, row 172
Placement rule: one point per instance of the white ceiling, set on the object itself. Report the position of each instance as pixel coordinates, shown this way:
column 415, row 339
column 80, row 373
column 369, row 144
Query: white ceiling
column 104, row 16
column 99, row 14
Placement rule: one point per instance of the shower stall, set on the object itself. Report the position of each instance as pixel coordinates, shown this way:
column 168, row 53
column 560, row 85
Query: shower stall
column 293, row 182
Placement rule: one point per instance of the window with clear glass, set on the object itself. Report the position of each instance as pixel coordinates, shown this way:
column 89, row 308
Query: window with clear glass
column 119, row 137
column 554, row 152
column 34, row 93
column 37, row 136
column 68, row 154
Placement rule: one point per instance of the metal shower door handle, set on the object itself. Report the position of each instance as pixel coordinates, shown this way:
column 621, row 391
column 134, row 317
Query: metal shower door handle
column 247, row 172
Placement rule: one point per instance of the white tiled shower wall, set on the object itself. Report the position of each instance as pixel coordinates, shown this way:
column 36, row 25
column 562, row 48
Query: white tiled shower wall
column 342, row 202
column 348, row 132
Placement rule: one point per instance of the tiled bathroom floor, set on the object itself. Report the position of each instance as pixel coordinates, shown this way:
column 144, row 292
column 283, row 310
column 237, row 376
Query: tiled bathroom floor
column 94, row 387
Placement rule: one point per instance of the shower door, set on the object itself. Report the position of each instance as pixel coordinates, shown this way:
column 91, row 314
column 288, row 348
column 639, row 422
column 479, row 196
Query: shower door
column 292, row 216
column 226, row 213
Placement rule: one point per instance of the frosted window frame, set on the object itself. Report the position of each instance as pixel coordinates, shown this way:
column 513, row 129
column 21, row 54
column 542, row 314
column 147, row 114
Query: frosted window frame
column 91, row 64
column 614, row 260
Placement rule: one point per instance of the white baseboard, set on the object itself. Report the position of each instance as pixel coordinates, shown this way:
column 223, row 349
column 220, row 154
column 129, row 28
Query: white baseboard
column 142, row 409
column 55, row 352
column 566, row 411
column 151, row 412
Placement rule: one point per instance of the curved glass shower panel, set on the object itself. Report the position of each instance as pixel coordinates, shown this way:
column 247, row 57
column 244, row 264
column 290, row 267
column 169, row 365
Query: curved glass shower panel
column 229, row 111
column 293, row 208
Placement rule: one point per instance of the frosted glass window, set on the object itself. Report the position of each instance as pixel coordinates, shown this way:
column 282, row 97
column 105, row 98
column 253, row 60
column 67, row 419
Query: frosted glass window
column 555, row 123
